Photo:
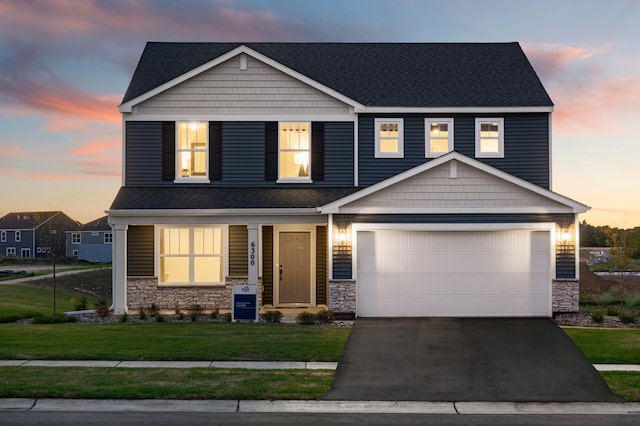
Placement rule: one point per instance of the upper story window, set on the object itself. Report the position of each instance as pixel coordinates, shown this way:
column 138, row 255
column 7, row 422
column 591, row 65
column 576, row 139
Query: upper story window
column 294, row 152
column 75, row 238
column 389, row 138
column 490, row 137
column 3, row 236
column 192, row 151
column 18, row 236
column 439, row 136
column 108, row 238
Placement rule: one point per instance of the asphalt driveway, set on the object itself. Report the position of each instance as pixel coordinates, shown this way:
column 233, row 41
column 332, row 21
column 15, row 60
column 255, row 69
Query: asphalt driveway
column 464, row 359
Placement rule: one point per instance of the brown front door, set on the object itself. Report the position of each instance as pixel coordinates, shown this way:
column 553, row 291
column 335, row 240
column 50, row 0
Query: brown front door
column 294, row 273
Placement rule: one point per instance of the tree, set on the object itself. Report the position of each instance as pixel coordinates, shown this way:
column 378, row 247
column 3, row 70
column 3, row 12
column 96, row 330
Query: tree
column 52, row 240
column 618, row 241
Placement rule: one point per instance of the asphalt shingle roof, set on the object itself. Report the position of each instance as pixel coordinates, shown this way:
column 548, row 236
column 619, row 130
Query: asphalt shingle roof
column 205, row 198
column 375, row 74
column 25, row 220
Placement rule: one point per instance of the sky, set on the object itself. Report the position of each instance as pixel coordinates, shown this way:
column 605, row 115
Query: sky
column 65, row 66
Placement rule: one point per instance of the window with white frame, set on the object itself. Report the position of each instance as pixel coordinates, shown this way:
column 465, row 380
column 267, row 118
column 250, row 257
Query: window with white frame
column 3, row 236
column 294, row 151
column 108, row 238
column 75, row 253
column 490, row 137
column 18, row 236
column 389, row 137
column 192, row 149
column 11, row 251
column 438, row 136
column 75, row 238
column 191, row 255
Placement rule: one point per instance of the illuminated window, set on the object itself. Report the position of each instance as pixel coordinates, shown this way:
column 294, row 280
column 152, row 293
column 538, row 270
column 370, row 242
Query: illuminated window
column 192, row 151
column 75, row 238
column 191, row 255
column 389, row 138
column 108, row 238
column 490, row 137
column 439, row 136
column 294, row 152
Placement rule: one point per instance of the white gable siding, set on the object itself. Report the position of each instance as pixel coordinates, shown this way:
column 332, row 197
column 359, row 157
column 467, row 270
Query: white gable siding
column 226, row 89
column 471, row 189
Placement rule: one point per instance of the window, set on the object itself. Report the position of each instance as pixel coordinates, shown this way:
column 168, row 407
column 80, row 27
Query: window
column 18, row 236
column 11, row 251
column 75, row 238
column 3, row 236
column 490, row 137
column 192, row 151
column 108, row 238
column 294, row 152
column 25, row 252
column 389, row 138
column 75, row 253
column 439, row 136
column 192, row 255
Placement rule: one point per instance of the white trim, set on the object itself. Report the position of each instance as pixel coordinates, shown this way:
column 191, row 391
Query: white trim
column 242, row 117
column 452, row 210
column 309, row 151
column 3, row 236
column 27, row 250
column 336, row 206
column 329, row 249
column 277, row 229
column 550, row 154
column 377, row 123
column 127, row 106
column 450, row 110
column 490, row 120
column 12, row 249
column 576, row 257
column 17, row 236
column 177, row 150
column 427, row 136
column 123, row 129
column 355, row 151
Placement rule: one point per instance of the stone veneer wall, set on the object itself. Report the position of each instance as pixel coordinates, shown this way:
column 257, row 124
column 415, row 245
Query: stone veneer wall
column 144, row 291
column 342, row 296
column 565, row 295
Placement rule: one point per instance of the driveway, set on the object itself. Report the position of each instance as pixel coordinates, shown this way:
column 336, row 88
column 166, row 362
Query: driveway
column 464, row 359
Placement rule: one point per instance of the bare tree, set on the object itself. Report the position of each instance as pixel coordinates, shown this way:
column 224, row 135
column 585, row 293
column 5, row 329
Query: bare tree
column 620, row 256
column 52, row 240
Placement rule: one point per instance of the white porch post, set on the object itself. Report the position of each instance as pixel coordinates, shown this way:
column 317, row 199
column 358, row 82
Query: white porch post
column 119, row 269
column 253, row 266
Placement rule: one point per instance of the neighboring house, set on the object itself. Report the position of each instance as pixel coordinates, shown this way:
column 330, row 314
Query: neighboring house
column 375, row 179
column 34, row 234
column 92, row 242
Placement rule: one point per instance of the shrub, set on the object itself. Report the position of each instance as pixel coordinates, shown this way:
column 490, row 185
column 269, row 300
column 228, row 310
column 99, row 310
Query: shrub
column 176, row 309
column 54, row 319
column 102, row 308
column 609, row 297
column 633, row 300
column 597, row 317
column 124, row 317
column 273, row 317
column 153, row 310
column 226, row 317
column 627, row 318
column 325, row 316
column 613, row 312
column 195, row 311
column 159, row 318
column 306, row 318
column 214, row 314
column 142, row 313
column 79, row 304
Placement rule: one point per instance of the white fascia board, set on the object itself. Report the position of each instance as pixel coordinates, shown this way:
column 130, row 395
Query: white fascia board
column 452, row 110
column 127, row 106
column 455, row 210
column 533, row 226
column 335, row 207
column 240, row 117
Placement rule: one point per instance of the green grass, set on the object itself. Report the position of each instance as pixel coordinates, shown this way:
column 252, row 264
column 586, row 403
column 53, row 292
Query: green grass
column 173, row 341
column 134, row 383
column 623, row 383
column 608, row 346
column 19, row 298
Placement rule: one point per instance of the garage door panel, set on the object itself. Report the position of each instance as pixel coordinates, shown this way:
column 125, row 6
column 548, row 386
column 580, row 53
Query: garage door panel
column 406, row 273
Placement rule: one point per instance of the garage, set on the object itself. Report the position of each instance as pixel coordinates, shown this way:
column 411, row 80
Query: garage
column 413, row 273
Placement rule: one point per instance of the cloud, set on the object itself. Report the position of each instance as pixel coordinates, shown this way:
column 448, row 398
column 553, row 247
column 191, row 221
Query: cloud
column 10, row 151
column 97, row 158
column 97, row 147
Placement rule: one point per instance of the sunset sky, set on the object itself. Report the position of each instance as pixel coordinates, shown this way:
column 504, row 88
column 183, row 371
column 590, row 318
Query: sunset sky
column 65, row 65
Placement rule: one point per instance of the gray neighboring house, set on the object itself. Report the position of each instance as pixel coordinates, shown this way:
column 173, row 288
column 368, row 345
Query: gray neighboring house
column 27, row 234
column 91, row 243
column 376, row 179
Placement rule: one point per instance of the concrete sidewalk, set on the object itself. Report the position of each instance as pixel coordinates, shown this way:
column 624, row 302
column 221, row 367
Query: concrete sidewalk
column 356, row 407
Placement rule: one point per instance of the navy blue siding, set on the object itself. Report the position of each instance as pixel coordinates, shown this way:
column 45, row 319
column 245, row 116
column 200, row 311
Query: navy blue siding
column 243, row 154
column 143, row 153
column 526, row 143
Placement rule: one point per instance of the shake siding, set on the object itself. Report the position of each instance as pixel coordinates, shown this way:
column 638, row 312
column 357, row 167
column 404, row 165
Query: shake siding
column 225, row 89
column 143, row 154
column 140, row 258
column 238, row 253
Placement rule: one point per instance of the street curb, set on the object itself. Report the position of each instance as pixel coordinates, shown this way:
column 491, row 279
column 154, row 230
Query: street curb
column 250, row 365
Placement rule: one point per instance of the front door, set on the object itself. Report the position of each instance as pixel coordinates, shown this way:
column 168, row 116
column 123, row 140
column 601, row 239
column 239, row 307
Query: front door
column 294, row 269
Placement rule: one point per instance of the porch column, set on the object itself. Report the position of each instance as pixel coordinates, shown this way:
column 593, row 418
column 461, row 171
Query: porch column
column 253, row 247
column 119, row 269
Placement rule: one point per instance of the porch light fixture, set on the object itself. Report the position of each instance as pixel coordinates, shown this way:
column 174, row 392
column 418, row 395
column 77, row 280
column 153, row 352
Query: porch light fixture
column 342, row 238
column 563, row 236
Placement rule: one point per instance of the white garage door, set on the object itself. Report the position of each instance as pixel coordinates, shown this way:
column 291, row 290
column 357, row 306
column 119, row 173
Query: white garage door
column 417, row 273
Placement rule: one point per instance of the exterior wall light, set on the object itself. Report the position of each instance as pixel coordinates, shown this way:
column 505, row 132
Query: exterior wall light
column 342, row 237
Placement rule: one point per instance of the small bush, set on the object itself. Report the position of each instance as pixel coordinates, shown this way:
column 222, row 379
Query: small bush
column 102, row 308
column 180, row 316
column 612, row 312
column 159, row 318
column 633, row 300
column 54, row 319
column 226, row 317
column 597, row 317
column 306, row 318
column 214, row 314
column 124, row 317
column 195, row 311
column 142, row 313
column 609, row 297
column 176, row 309
column 273, row 317
column 153, row 310
column 627, row 318
column 325, row 316
column 79, row 304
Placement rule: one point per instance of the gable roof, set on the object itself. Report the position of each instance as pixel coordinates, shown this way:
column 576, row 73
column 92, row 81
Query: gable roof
column 100, row 224
column 444, row 75
column 26, row 220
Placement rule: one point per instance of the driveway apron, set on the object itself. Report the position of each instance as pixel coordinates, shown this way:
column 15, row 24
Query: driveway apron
column 464, row 359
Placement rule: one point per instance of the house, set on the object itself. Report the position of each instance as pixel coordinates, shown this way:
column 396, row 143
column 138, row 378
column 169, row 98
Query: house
column 92, row 242
column 377, row 179
column 34, row 234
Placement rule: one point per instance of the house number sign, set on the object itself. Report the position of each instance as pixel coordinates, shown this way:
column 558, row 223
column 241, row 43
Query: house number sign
column 252, row 231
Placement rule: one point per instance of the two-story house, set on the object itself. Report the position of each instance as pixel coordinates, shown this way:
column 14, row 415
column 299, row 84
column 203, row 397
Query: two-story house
column 377, row 179
column 34, row 234
column 92, row 242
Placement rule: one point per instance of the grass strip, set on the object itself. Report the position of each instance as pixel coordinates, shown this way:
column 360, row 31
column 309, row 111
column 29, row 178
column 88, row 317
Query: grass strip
column 18, row 298
column 607, row 346
column 139, row 383
column 198, row 341
column 623, row 383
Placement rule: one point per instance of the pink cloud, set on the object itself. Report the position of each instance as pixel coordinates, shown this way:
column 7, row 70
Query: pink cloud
column 98, row 147
column 11, row 151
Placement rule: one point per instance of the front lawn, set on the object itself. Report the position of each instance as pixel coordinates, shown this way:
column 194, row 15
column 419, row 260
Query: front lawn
column 20, row 298
column 607, row 346
column 623, row 383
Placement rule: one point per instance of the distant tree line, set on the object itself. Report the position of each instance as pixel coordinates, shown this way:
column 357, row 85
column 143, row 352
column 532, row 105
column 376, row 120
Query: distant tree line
column 627, row 240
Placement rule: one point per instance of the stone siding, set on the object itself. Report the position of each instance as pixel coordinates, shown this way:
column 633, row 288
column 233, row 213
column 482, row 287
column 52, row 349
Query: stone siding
column 565, row 296
column 342, row 296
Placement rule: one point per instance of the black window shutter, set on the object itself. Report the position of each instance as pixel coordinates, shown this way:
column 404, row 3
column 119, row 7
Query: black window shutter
column 168, row 150
column 271, row 150
column 317, row 151
column 215, row 150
